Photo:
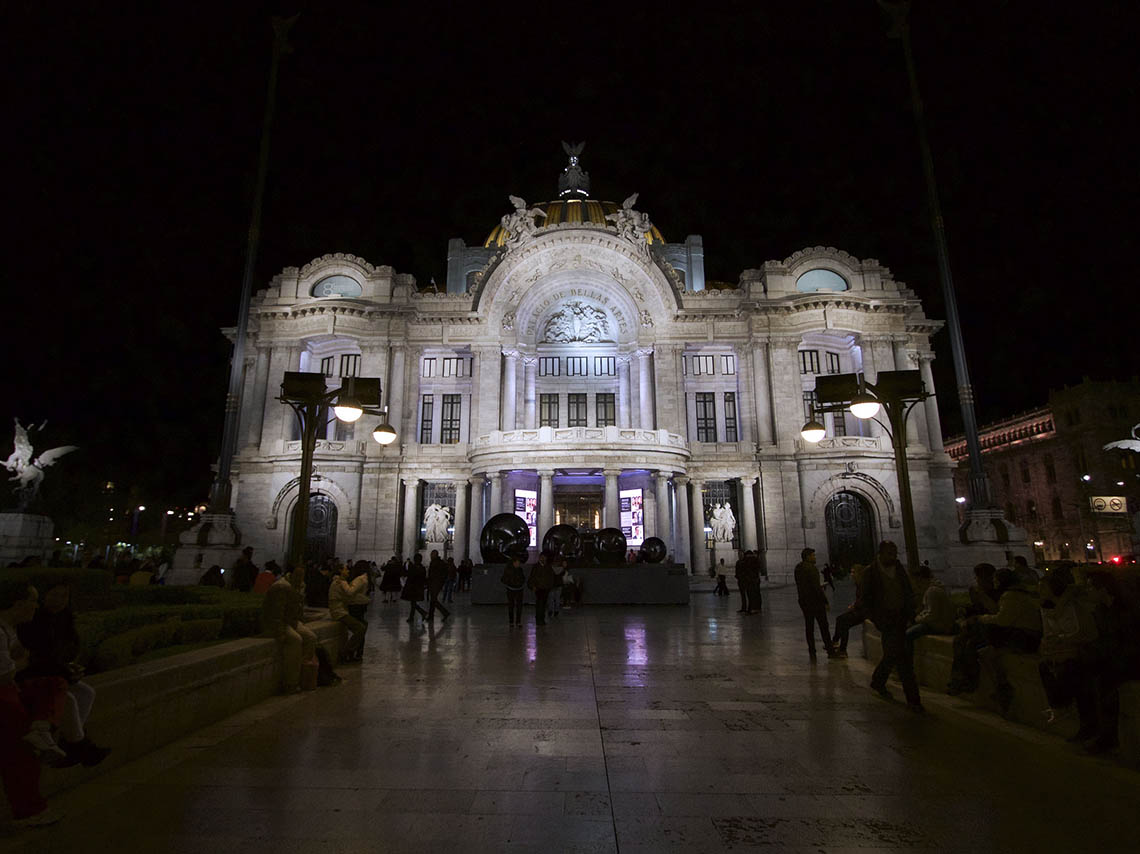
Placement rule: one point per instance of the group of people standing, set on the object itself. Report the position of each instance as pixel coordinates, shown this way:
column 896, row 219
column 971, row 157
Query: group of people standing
column 547, row 579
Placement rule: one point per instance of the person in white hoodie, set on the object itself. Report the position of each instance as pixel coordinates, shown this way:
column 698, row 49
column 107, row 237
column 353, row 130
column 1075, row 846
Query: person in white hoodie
column 937, row 614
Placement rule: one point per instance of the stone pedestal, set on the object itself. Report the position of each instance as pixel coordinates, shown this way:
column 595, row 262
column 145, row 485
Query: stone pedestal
column 214, row 540
column 985, row 537
column 24, row 535
column 730, row 556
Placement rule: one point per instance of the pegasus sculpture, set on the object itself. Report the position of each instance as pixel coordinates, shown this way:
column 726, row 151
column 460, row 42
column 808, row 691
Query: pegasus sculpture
column 1132, row 444
column 28, row 471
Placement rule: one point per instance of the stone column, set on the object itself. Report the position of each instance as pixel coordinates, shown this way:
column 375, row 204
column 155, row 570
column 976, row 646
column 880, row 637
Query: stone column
column 277, row 416
column 545, row 503
column 623, row 391
column 496, row 507
column 661, row 527
column 787, row 390
column 477, row 521
column 486, row 384
column 395, row 394
column 698, row 554
column 748, row 514
column 530, row 367
column 645, row 389
column 255, row 404
column 762, row 393
column 933, row 424
column 915, row 422
column 872, row 363
column 611, row 517
column 510, row 377
column 411, row 516
column 459, row 538
column 681, row 551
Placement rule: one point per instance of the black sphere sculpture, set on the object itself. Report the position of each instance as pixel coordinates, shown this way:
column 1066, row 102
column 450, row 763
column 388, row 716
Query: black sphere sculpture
column 503, row 537
column 652, row 550
column 610, row 546
column 564, row 541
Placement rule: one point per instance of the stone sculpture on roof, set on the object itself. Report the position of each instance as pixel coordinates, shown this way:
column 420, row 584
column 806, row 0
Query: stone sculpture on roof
column 632, row 225
column 28, row 472
column 574, row 179
column 520, row 225
column 576, row 321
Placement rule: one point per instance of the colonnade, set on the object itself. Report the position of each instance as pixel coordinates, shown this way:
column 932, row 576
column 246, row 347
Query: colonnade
column 678, row 517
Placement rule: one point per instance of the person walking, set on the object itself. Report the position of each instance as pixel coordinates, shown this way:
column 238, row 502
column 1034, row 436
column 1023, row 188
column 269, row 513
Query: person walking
column 414, row 587
column 390, row 579
column 437, row 581
column 514, row 579
column 452, row 581
column 341, row 594
column 554, row 604
column 541, row 581
column 813, row 602
column 889, row 601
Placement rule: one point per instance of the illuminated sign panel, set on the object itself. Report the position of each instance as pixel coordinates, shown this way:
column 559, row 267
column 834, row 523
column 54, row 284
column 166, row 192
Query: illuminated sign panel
column 526, row 507
column 632, row 516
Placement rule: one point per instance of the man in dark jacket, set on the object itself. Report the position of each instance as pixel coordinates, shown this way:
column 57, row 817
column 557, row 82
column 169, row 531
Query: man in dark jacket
column 813, row 602
column 437, row 578
column 414, row 588
column 889, row 601
column 541, row 580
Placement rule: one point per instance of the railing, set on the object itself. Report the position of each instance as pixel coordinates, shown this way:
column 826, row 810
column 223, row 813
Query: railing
column 581, row 436
column 841, row 444
column 324, row 446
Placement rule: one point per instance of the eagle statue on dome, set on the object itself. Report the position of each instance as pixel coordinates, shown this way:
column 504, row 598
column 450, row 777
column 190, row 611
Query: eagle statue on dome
column 574, row 179
column 520, row 225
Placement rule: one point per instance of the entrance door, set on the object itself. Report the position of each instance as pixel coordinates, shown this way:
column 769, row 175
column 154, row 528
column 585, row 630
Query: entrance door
column 850, row 530
column 582, row 510
column 320, row 537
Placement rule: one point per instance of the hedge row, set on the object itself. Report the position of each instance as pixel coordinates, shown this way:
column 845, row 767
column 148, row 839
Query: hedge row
column 122, row 649
column 81, row 580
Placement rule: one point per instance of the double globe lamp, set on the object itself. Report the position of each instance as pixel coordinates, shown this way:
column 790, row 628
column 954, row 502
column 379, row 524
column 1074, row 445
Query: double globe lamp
column 349, row 409
column 862, row 406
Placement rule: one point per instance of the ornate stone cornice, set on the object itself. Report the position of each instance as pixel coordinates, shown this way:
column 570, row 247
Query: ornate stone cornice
column 815, row 253
column 334, row 258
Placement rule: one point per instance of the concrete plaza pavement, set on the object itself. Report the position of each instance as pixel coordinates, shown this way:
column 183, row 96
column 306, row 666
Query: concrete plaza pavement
column 662, row 729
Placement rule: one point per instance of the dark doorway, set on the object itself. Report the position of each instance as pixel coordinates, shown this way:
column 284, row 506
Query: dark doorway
column 320, row 538
column 850, row 530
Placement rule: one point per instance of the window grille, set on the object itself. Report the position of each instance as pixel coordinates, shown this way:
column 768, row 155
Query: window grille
column 606, row 410
column 548, row 410
column 350, row 365
column 575, row 410
column 809, row 361
column 730, row 416
column 426, row 406
column 706, row 416
column 449, row 425
column 548, row 366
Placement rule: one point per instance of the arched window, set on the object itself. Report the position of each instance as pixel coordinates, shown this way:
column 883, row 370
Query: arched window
column 821, row 280
column 337, row 286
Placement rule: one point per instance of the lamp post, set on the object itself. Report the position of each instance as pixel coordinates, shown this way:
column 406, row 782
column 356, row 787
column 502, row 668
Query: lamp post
column 310, row 398
column 895, row 393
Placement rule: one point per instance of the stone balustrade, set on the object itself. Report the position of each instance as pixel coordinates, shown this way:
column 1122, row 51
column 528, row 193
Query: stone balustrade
column 843, row 445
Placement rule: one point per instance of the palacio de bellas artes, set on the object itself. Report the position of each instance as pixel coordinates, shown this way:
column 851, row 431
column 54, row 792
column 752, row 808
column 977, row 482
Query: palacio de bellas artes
column 578, row 368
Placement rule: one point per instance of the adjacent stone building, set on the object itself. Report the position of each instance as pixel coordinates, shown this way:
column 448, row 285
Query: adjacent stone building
column 578, row 368
column 1050, row 474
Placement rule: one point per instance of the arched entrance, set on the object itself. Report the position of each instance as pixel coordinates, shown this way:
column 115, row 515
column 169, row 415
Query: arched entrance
column 320, row 537
column 850, row 529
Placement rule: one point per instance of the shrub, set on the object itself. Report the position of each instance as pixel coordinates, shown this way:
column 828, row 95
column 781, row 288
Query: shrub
column 81, row 580
column 122, row 649
column 196, row 631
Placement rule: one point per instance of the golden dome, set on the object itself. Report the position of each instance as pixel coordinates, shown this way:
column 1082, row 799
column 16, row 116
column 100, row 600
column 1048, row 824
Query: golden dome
column 571, row 211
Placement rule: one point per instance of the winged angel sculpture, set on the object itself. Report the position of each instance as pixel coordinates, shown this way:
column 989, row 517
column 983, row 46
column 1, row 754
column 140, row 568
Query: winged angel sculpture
column 29, row 472
column 1132, row 444
column 631, row 225
column 520, row 224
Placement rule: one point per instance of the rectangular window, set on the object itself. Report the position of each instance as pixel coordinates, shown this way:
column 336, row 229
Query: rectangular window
column 1025, row 478
column 809, row 405
column 426, row 407
column 1050, row 470
column 449, row 425
column 548, row 366
column 350, row 365
column 428, row 368
column 730, row 415
column 840, row 423
column 605, row 366
column 576, row 366
column 606, row 410
column 548, row 410
column 702, row 365
column 575, row 410
column 684, row 366
column 328, row 364
column 833, row 363
column 706, row 416
column 453, row 367
column 809, row 361
column 728, row 364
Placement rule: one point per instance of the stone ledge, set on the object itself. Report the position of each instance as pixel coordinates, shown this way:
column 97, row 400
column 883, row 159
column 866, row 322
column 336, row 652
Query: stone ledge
column 144, row 706
column 933, row 655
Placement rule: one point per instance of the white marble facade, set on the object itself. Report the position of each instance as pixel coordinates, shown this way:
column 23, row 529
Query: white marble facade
column 693, row 394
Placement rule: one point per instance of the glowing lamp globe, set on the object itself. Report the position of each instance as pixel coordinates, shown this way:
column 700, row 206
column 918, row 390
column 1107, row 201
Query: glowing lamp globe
column 813, row 431
column 347, row 409
column 864, row 406
column 384, row 433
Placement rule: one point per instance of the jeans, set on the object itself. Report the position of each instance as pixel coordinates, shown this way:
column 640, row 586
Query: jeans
column 744, row 588
column 435, row 605
column 76, row 708
column 514, row 606
column 448, row 589
column 917, row 631
column 896, row 654
column 844, row 623
column 300, row 645
column 554, row 604
column 812, row 618
column 356, row 631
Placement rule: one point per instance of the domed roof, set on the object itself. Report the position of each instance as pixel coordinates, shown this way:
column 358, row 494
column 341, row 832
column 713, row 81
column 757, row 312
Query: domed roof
column 572, row 211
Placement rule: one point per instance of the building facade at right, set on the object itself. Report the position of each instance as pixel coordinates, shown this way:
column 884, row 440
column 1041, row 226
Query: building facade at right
column 1050, row 474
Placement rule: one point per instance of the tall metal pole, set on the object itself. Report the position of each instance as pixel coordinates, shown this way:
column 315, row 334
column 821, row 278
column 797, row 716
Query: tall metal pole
column 309, row 413
column 897, row 412
column 978, row 483
column 220, row 491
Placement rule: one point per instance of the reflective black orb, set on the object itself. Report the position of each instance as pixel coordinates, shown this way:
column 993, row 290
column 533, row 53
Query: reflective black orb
column 652, row 550
column 564, row 541
column 503, row 537
column 610, row 546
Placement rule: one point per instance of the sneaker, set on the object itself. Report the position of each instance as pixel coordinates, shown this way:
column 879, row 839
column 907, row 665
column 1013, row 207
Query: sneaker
column 39, row 737
column 40, row 819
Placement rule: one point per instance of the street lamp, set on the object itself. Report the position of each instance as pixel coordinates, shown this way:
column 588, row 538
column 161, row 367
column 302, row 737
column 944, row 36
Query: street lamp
column 309, row 397
column 896, row 393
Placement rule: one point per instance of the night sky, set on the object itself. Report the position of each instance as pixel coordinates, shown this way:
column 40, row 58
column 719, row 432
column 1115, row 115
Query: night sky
column 130, row 146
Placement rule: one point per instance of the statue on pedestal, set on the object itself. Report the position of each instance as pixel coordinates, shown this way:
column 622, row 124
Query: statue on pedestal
column 436, row 522
column 28, row 472
column 723, row 523
column 520, row 225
